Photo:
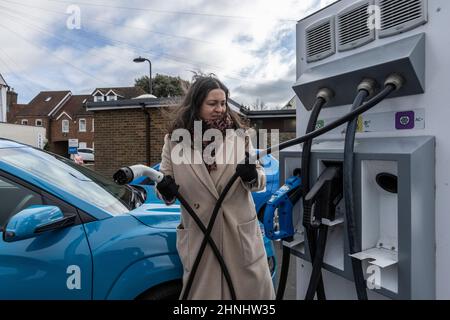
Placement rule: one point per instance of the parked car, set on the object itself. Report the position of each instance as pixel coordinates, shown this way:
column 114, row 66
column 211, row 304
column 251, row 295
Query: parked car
column 69, row 233
column 87, row 154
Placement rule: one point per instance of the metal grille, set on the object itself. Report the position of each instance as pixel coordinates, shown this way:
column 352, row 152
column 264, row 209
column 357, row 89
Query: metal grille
column 320, row 41
column 353, row 30
column 398, row 16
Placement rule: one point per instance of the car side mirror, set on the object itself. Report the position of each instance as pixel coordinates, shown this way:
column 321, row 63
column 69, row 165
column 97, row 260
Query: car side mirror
column 35, row 220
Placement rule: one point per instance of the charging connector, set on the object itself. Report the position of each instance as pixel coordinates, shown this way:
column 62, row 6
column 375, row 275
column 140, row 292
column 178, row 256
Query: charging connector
column 127, row 174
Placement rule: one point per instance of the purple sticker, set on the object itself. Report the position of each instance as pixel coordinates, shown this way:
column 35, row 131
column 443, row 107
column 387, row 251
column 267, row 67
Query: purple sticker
column 405, row 120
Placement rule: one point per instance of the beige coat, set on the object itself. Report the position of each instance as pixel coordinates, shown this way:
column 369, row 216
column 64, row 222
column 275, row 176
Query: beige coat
column 236, row 231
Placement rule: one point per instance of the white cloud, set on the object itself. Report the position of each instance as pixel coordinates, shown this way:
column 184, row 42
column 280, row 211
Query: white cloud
column 251, row 46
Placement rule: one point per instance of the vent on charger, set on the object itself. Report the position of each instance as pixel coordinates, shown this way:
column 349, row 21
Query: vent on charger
column 353, row 28
column 399, row 16
column 320, row 40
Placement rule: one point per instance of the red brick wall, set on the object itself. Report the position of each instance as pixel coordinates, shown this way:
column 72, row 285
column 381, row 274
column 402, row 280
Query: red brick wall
column 88, row 136
column 31, row 120
column 57, row 134
column 120, row 138
column 160, row 120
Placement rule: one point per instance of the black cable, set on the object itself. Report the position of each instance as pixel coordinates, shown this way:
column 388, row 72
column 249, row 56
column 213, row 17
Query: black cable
column 311, row 233
column 284, row 272
column 348, row 117
column 207, row 233
column 348, row 177
column 316, row 275
column 210, row 242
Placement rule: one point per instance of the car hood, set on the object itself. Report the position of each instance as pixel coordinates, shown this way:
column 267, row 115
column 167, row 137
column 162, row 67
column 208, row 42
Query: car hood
column 155, row 213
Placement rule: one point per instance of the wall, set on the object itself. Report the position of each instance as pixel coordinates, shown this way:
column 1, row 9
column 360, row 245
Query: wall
column 120, row 138
column 34, row 136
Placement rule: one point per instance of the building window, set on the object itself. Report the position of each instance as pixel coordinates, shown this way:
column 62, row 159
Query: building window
column 24, row 122
column 38, row 123
column 65, row 126
column 92, row 125
column 82, row 125
column 98, row 98
column 82, row 145
column 111, row 98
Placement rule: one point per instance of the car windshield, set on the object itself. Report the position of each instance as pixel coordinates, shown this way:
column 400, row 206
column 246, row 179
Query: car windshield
column 75, row 179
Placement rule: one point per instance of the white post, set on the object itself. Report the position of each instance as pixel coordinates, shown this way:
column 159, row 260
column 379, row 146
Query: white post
column 2, row 103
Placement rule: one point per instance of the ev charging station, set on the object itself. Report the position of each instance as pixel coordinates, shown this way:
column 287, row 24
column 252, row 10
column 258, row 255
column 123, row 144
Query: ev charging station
column 401, row 180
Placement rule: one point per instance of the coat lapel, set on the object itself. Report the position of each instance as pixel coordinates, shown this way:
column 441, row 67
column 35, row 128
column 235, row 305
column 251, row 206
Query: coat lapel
column 200, row 171
column 229, row 148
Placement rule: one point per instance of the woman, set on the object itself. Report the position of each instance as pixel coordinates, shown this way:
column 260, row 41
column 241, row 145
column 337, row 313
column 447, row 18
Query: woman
column 236, row 230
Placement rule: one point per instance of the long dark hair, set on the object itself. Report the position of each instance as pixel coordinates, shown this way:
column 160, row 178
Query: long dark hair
column 189, row 110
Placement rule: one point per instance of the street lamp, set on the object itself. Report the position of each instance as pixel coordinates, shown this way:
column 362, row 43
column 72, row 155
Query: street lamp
column 139, row 60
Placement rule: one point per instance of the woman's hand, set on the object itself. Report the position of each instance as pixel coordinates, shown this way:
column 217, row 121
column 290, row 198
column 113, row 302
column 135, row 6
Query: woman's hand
column 167, row 188
column 247, row 171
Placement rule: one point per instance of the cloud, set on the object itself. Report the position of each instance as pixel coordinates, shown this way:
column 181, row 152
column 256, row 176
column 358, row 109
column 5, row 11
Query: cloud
column 250, row 47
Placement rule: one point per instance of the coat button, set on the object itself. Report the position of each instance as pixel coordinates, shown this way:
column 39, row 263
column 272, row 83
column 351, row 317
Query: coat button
column 196, row 205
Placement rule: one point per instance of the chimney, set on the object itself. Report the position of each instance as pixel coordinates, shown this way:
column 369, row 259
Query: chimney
column 11, row 100
column 11, row 97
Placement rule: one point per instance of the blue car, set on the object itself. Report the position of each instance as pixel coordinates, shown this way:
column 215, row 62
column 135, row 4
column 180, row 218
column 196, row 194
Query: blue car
column 69, row 233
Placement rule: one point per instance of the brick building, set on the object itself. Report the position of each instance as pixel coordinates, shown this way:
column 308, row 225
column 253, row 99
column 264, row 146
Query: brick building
column 283, row 120
column 62, row 114
column 130, row 131
column 72, row 121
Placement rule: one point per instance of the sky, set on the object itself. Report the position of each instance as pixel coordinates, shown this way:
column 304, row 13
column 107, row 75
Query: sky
column 48, row 45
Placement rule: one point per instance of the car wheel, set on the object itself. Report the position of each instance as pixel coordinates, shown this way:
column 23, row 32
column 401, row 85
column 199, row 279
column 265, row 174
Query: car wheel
column 165, row 291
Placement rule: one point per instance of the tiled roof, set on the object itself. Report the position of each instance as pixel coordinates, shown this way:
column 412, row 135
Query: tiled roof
column 43, row 103
column 15, row 109
column 123, row 92
column 75, row 106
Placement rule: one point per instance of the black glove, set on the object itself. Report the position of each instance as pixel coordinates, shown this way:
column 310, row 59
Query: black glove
column 167, row 188
column 247, row 171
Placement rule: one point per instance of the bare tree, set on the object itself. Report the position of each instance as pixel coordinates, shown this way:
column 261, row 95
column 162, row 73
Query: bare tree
column 258, row 105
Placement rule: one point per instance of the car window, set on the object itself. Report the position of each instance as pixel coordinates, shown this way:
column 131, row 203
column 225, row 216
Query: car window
column 15, row 198
column 77, row 180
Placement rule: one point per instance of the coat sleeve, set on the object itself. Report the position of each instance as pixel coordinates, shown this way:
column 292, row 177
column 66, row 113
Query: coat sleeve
column 166, row 161
column 166, row 166
column 260, row 183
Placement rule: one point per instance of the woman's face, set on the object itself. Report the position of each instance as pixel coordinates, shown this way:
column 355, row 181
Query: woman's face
column 214, row 106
